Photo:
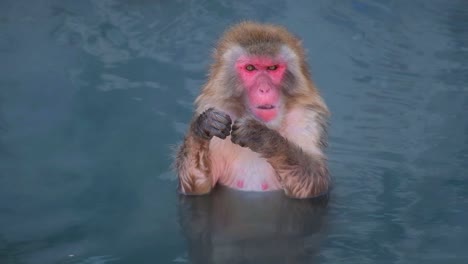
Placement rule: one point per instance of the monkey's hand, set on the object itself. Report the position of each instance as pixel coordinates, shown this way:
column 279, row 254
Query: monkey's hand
column 212, row 123
column 248, row 132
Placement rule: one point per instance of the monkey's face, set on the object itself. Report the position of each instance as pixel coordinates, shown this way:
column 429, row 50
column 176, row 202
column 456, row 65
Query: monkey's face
column 261, row 78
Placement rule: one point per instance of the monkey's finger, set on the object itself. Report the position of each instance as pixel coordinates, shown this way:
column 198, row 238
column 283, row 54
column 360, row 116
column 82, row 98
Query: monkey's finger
column 233, row 138
column 226, row 131
column 222, row 117
column 235, row 126
column 237, row 140
column 240, row 143
column 219, row 134
column 218, row 125
column 214, row 131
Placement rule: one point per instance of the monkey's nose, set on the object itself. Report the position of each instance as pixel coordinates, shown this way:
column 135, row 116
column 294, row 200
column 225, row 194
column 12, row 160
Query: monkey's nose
column 264, row 89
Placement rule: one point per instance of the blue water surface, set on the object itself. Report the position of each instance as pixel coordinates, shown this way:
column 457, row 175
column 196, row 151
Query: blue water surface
column 94, row 95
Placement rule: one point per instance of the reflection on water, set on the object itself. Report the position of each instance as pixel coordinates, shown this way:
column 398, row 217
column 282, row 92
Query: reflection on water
column 237, row 227
column 93, row 95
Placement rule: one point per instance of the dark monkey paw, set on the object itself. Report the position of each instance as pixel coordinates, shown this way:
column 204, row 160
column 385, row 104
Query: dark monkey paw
column 212, row 123
column 248, row 132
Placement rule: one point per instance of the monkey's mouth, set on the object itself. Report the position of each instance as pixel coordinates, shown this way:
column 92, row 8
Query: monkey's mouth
column 266, row 107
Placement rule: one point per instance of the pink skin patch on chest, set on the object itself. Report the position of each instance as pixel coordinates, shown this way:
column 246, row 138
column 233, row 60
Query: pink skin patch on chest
column 264, row 186
column 240, row 184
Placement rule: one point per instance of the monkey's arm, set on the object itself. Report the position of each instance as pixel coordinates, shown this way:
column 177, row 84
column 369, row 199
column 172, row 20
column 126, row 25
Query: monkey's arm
column 302, row 174
column 193, row 163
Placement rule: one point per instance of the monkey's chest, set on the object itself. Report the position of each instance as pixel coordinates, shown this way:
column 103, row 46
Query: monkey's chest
column 240, row 168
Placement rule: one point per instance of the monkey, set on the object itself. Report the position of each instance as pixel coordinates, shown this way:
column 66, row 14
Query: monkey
column 260, row 123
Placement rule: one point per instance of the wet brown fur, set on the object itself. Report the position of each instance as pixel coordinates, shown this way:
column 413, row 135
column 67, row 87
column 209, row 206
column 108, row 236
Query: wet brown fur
column 301, row 174
column 194, row 166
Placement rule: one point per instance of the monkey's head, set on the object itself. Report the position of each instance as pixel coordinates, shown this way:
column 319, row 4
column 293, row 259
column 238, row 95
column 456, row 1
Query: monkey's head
column 258, row 70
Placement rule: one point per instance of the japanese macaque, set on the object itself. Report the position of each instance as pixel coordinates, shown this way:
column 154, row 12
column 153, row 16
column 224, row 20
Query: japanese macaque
column 260, row 123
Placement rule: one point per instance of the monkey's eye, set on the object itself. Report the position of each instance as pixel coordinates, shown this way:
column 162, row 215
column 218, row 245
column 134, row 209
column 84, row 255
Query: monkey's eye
column 273, row 67
column 250, row 67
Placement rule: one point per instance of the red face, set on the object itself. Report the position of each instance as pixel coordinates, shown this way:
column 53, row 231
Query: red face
column 261, row 77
